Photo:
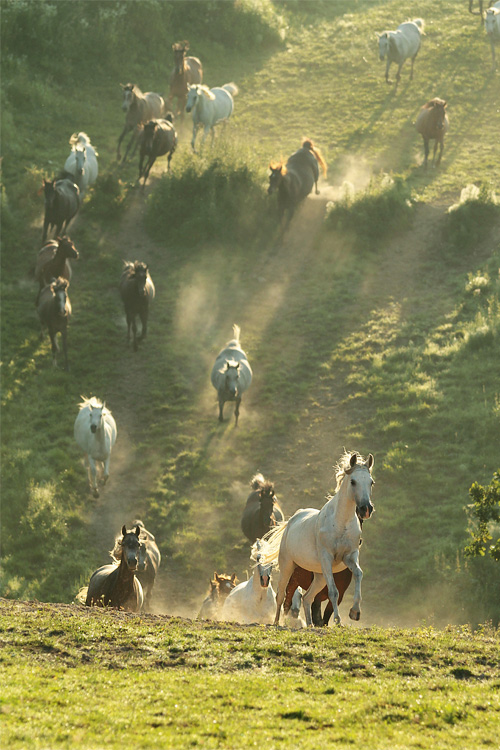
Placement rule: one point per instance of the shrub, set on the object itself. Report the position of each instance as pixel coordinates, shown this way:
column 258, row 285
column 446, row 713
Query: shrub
column 484, row 514
column 470, row 220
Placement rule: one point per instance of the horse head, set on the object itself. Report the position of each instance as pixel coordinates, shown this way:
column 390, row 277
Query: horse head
column 128, row 95
column 267, row 499
column 262, row 569
column 149, row 131
column 60, row 290
column 80, row 159
column 142, row 561
column 50, row 192
column 180, row 49
column 232, row 373
column 95, row 417
column 130, row 547
column 359, row 483
column 140, row 275
column 383, row 44
column 68, row 248
column 194, row 91
column 438, row 112
column 225, row 583
column 278, row 171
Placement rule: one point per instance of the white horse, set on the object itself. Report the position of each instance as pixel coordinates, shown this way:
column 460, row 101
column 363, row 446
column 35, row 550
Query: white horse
column 399, row 45
column 492, row 28
column 209, row 106
column 95, row 433
column 81, row 164
column 253, row 600
column 326, row 541
column 231, row 374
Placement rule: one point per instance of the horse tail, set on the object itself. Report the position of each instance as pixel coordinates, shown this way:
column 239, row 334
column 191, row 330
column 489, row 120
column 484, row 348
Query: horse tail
column 307, row 143
column 232, row 88
column 271, row 543
column 236, row 332
column 257, row 481
column 420, row 23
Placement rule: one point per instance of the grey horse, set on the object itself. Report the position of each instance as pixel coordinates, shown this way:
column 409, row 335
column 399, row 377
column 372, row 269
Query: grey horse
column 231, row 374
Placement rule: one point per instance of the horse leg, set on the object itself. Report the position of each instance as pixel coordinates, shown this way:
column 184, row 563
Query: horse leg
column 64, row 337
column 317, row 584
column 398, row 74
column 105, row 466
column 221, row 409
column 120, row 139
column 193, row 138
column 286, row 570
column 426, row 151
column 144, row 324
column 148, row 168
column 92, row 472
column 352, row 563
column 237, row 411
column 134, row 334
column 441, row 148
column 55, row 347
column 326, row 559
column 387, row 66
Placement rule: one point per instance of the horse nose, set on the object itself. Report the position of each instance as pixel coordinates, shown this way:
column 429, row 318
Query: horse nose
column 366, row 510
column 264, row 581
column 93, row 428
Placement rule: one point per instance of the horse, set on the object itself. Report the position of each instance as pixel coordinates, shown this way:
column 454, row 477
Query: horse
column 139, row 109
column 326, row 541
column 136, row 290
column 158, row 138
column 209, row 107
column 294, row 180
column 262, row 510
column 95, row 432
column 432, row 124
column 81, row 164
column 400, row 45
column 187, row 70
column 54, row 312
column 62, row 201
column 231, row 375
column 302, row 579
column 252, row 601
column 149, row 561
column 478, row 12
column 492, row 28
column 220, row 587
column 54, row 260
column 117, row 585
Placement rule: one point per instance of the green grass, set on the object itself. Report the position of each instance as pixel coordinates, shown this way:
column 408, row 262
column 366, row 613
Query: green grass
column 173, row 683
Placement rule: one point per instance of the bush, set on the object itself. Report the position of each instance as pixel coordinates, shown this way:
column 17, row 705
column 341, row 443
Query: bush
column 470, row 220
column 484, row 514
column 384, row 207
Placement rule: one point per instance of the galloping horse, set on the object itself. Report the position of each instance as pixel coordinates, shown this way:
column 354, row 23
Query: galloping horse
column 136, row 290
column 261, row 511
column 231, row 374
column 253, row 600
column 81, row 164
column 220, row 587
column 209, row 107
column 62, row 201
column 95, row 433
column 399, row 45
column 327, row 540
column 432, row 124
column 294, row 180
column 158, row 138
column 54, row 260
column 139, row 108
column 149, row 561
column 304, row 578
column 492, row 28
column 54, row 311
column 187, row 70
column 117, row 585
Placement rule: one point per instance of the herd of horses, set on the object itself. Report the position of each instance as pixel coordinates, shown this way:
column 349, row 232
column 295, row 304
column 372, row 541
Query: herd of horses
column 315, row 551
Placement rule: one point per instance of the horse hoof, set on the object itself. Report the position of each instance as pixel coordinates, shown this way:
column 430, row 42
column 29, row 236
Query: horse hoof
column 95, row 493
column 354, row 614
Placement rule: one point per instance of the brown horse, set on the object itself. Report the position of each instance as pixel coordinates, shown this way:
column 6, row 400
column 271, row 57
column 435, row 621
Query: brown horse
column 54, row 260
column 303, row 578
column 262, row 510
column 139, row 109
column 117, row 585
column 149, row 562
column 54, row 311
column 220, row 586
column 294, row 180
column 62, row 201
column 432, row 124
column 158, row 138
column 136, row 290
column 187, row 70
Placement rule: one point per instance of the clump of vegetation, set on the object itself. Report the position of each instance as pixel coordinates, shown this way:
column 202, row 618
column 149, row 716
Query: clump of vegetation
column 221, row 198
column 384, row 207
column 470, row 220
column 484, row 514
column 108, row 197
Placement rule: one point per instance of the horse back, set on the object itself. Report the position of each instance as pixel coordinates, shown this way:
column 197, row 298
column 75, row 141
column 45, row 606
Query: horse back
column 194, row 70
column 304, row 166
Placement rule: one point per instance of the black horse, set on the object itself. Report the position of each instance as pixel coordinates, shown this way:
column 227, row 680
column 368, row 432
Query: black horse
column 262, row 510
column 136, row 290
column 62, row 201
column 54, row 311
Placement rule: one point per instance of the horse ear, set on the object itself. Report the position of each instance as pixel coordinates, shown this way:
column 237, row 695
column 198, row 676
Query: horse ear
column 124, row 529
column 353, row 460
column 238, row 366
column 233, row 578
column 370, row 461
column 137, row 531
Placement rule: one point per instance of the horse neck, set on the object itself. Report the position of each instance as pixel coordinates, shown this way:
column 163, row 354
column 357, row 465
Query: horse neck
column 124, row 584
column 99, row 436
column 343, row 509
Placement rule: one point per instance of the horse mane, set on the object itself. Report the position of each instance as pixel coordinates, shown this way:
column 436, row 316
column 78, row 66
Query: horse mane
column 277, row 165
column 308, row 144
column 265, row 486
column 343, row 465
column 180, row 46
column 131, row 267
column 206, row 91
column 117, row 551
column 260, row 548
column 80, row 137
column 59, row 283
column 94, row 403
column 436, row 102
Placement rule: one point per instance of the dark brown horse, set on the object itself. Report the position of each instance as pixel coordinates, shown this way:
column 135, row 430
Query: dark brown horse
column 149, row 562
column 294, row 180
column 136, row 290
column 262, row 510
column 158, row 138
column 117, row 585
column 303, row 578
column 54, row 260
column 139, row 109
column 187, row 70
column 432, row 124
column 220, row 587
column 54, row 311
column 62, row 201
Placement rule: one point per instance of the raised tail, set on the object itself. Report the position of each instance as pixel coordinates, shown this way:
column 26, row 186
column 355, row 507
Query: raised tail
column 236, row 332
column 307, row 143
column 271, row 544
column 232, row 88
column 420, row 23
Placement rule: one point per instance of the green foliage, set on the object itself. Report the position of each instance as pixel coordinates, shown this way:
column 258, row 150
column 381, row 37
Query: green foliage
column 383, row 208
column 484, row 514
column 470, row 220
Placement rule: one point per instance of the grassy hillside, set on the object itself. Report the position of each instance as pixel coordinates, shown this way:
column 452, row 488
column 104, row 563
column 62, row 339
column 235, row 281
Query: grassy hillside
column 169, row 683
column 361, row 335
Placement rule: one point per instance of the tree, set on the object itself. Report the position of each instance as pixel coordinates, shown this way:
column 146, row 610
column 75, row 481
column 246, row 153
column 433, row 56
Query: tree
column 484, row 514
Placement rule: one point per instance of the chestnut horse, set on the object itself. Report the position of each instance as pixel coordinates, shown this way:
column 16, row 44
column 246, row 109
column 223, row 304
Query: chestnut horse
column 53, row 261
column 432, row 123
column 116, row 585
column 304, row 578
column 187, row 70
